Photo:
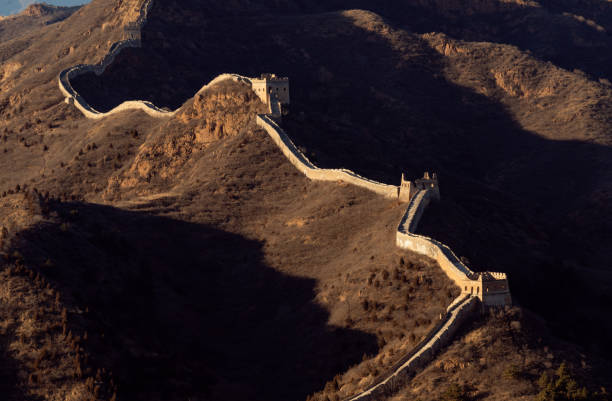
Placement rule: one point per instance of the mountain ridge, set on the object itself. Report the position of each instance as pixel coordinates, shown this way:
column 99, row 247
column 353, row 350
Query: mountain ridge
column 442, row 115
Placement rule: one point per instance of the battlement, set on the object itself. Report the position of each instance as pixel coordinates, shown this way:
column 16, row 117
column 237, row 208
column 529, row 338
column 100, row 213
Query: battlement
column 271, row 88
column 490, row 287
column 429, row 182
column 491, row 276
column 408, row 188
column 495, row 289
column 271, row 77
column 132, row 31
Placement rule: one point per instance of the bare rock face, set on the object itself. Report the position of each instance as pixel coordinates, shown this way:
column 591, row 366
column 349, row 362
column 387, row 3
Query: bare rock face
column 38, row 10
column 224, row 110
column 219, row 112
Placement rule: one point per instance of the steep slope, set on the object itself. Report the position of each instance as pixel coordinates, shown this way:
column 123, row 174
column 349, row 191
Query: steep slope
column 265, row 267
column 33, row 116
column 509, row 355
column 221, row 267
column 511, row 134
column 34, row 16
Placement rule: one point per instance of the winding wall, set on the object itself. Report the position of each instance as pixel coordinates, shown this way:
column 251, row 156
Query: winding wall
column 458, row 311
column 73, row 97
column 407, row 239
column 467, row 280
column 301, row 162
column 424, row 352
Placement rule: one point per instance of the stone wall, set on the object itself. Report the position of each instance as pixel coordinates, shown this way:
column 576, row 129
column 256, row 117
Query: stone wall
column 490, row 287
column 459, row 311
column 301, row 162
column 406, row 239
column 270, row 86
column 471, row 283
column 74, row 98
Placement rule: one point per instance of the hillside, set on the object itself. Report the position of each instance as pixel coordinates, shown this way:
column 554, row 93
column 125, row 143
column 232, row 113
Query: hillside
column 186, row 258
column 36, row 15
column 277, row 253
column 511, row 132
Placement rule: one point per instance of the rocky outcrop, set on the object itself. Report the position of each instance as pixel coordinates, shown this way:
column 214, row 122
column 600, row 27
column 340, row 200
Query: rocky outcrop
column 223, row 110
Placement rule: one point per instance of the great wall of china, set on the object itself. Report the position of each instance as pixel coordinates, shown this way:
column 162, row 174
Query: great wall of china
column 133, row 40
column 487, row 288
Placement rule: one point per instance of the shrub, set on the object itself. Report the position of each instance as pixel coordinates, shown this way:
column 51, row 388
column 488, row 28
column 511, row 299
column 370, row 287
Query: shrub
column 455, row 392
column 563, row 387
column 512, row 372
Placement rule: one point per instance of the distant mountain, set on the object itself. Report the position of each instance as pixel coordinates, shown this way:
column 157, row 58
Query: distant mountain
column 35, row 15
column 9, row 7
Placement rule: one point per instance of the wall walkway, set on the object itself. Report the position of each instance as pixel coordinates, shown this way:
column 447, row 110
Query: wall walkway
column 458, row 311
column 467, row 280
column 73, row 97
column 420, row 356
column 301, row 162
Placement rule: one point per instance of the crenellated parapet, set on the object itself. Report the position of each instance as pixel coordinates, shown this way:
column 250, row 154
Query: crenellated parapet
column 132, row 33
column 495, row 290
column 490, row 287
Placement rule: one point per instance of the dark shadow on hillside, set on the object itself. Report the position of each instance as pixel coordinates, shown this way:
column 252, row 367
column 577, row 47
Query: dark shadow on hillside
column 9, row 387
column 185, row 311
column 571, row 34
column 188, row 43
column 518, row 202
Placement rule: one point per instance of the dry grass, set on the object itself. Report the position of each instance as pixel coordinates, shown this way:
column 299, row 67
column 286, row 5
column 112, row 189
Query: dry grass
column 213, row 255
column 322, row 271
column 502, row 357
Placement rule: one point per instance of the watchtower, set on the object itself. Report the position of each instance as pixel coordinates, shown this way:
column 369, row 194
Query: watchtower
column 495, row 290
column 271, row 88
column 406, row 190
column 429, row 182
column 132, row 32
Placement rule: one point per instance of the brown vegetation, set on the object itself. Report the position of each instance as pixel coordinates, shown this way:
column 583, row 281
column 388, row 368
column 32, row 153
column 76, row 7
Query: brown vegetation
column 510, row 355
column 214, row 269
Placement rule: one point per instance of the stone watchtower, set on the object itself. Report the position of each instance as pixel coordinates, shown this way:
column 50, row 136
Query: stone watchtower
column 273, row 91
column 495, row 290
column 132, row 32
column 429, row 182
column 408, row 188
